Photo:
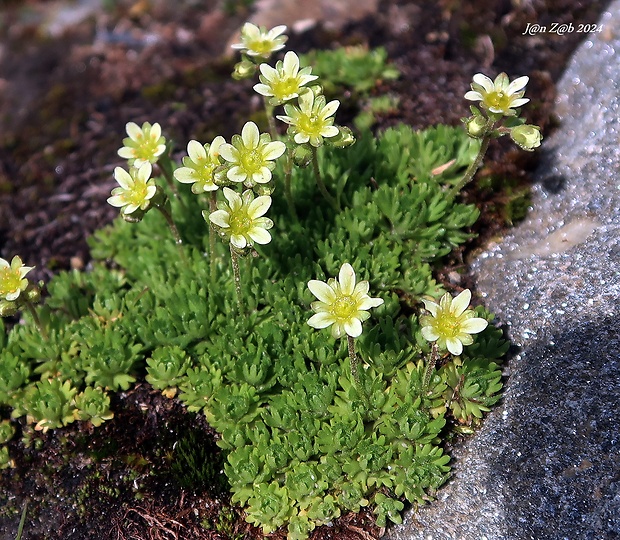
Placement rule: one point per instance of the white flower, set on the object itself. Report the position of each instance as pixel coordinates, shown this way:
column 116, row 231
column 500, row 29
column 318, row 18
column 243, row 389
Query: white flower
column 342, row 304
column 241, row 219
column 252, row 156
column 136, row 189
column 144, row 145
column 285, row 81
column 13, row 278
column 450, row 323
column 200, row 165
column 257, row 41
column 500, row 96
column 312, row 120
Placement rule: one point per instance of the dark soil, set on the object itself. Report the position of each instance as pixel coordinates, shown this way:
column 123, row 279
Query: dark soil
column 64, row 104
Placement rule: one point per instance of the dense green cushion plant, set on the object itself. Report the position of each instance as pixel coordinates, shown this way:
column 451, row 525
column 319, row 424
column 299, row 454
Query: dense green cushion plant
column 308, row 434
column 302, row 448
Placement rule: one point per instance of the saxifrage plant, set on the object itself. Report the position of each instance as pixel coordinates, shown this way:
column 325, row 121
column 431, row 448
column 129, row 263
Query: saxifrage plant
column 311, row 427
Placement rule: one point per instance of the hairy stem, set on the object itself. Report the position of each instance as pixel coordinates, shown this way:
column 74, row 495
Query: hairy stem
column 354, row 371
column 36, row 319
column 288, row 172
column 319, row 181
column 235, row 264
column 430, row 368
column 173, row 228
column 273, row 130
column 173, row 187
column 212, row 261
column 474, row 166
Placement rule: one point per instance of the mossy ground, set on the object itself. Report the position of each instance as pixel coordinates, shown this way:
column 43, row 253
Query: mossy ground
column 65, row 102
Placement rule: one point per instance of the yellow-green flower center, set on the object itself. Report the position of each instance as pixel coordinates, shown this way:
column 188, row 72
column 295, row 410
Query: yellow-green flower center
column 344, row 307
column 447, row 325
column 261, row 46
column 137, row 194
column 498, row 100
column 146, row 148
column 310, row 124
column 285, row 87
column 204, row 173
column 240, row 222
column 251, row 161
column 10, row 281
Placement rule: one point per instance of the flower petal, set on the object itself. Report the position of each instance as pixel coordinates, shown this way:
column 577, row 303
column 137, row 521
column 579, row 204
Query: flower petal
column 127, row 153
column 229, row 153
column 134, row 131
column 322, row 291
column 250, row 135
column 353, row 327
column 273, row 150
column 259, row 235
column 155, row 131
column 484, row 81
column 196, row 151
column 429, row 333
column 221, row 218
column 346, row 278
column 369, row 302
column 259, row 206
column 473, row 96
column 517, row 84
column 123, row 178
column 239, row 241
column 461, row 302
column 236, row 174
column 432, row 307
column 474, row 325
column 321, row 320
column 454, row 346
column 185, row 175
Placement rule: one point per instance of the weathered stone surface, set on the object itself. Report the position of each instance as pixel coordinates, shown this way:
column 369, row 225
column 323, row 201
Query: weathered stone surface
column 546, row 463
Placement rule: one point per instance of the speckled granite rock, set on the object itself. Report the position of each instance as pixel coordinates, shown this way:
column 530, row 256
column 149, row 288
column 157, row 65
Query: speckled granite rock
column 546, row 464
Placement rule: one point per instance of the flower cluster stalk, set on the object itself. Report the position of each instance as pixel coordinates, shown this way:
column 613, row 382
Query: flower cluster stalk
column 319, row 181
column 430, row 368
column 35, row 317
column 173, row 229
column 475, row 164
column 212, row 260
column 355, row 372
column 237, row 276
column 288, row 194
column 166, row 173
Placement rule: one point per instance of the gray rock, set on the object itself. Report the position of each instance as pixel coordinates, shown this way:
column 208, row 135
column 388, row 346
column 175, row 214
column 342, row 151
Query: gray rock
column 546, row 463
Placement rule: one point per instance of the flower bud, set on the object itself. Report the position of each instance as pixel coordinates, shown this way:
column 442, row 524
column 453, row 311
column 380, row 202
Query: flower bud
column 8, row 308
column 344, row 138
column 476, row 126
column 244, row 70
column 302, row 155
column 264, row 189
column 33, row 294
column 526, row 136
column 134, row 217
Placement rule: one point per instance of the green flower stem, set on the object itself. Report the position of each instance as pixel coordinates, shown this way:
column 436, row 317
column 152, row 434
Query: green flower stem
column 287, row 184
column 273, row 130
column 173, row 228
column 473, row 167
column 431, row 366
column 354, row 371
column 212, row 261
column 173, row 187
column 319, row 181
column 235, row 264
column 36, row 319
